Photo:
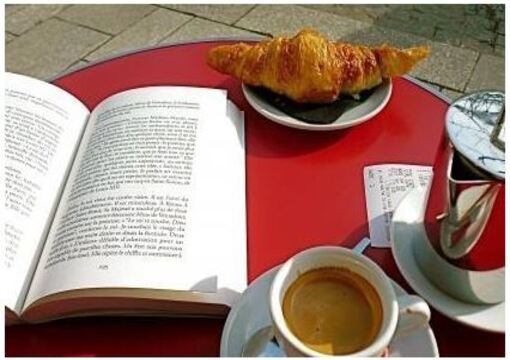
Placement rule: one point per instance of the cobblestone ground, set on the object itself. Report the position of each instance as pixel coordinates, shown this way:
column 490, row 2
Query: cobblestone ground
column 467, row 41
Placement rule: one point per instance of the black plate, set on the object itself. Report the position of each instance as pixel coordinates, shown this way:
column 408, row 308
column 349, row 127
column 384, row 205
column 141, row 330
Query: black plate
column 312, row 113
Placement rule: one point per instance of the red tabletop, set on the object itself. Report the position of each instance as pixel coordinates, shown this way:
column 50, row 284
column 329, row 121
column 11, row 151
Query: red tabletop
column 303, row 189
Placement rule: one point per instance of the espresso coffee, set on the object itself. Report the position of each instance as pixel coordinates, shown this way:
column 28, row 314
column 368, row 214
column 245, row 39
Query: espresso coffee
column 333, row 310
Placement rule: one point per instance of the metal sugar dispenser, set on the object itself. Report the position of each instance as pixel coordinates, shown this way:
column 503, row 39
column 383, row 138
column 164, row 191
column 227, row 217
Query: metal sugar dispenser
column 467, row 258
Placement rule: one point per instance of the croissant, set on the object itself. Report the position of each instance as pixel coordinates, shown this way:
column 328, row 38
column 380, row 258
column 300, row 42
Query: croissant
column 309, row 68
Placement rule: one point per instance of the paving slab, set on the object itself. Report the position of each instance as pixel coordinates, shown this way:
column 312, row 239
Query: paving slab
column 376, row 35
column 9, row 37
column 447, row 66
column 148, row 31
column 501, row 26
column 288, row 19
column 489, row 74
column 10, row 9
column 500, row 40
column 50, row 47
column 227, row 14
column 111, row 19
column 203, row 29
column 20, row 19
column 409, row 24
column 447, row 37
column 464, row 40
column 365, row 13
column 499, row 51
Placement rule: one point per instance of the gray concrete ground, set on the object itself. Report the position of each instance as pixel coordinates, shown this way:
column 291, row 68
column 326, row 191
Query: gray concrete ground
column 467, row 41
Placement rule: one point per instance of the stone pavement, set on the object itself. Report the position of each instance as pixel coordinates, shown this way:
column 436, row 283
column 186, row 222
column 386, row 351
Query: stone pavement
column 467, row 41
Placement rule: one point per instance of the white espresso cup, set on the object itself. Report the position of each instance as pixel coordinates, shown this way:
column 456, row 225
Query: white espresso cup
column 400, row 315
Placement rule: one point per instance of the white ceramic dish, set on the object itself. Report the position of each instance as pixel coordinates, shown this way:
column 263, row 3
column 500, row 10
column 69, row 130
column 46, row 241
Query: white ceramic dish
column 407, row 226
column 251, row 313
column 357, row 115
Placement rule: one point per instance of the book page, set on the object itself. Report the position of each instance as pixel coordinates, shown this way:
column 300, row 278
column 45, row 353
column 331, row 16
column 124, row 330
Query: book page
column 147, row 204
column 385, row 186
column 232, row 257
column 43, row 127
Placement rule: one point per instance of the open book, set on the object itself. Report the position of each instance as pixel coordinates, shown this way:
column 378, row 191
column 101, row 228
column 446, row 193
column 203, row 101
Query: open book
column 135, row 207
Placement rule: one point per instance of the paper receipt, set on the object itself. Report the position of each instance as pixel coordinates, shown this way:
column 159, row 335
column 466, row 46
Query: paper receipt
column 385, row 186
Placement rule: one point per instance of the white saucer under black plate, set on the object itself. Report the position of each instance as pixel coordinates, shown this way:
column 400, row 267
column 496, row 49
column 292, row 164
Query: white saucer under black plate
column 358, row 114
column 407, row 226
column 251, row 313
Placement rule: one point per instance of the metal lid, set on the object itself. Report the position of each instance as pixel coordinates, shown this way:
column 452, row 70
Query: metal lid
column 475, row 126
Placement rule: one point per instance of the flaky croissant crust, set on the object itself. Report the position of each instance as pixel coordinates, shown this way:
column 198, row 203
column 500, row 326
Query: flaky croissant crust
column 309, row 68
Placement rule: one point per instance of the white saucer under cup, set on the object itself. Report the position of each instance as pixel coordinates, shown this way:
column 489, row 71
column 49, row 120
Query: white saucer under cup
column 251, row 313
column 373, row 105
column 407, row 226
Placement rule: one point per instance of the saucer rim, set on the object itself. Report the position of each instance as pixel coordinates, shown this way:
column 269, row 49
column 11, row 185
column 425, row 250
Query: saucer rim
column 284, row 119
column 403, row 254
column 227, row 328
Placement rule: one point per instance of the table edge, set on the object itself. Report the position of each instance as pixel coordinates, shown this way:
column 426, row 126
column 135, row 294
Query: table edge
column 67, row 72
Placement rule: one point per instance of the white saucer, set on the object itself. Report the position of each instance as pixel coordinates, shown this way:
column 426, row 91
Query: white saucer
column 251, row 313
column 407, row 226
column 361, row 113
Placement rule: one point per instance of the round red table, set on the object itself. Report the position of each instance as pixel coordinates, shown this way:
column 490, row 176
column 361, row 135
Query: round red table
column 303, row 189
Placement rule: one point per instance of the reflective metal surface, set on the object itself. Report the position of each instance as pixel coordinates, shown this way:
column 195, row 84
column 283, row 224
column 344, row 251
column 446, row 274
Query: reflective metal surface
column 475, row 126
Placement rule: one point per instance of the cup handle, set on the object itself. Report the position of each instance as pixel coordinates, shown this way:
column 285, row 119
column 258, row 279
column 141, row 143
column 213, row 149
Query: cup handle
column 414, row 313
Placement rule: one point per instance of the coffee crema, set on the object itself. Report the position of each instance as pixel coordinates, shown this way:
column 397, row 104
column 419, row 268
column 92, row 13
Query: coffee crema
column 333, row 310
